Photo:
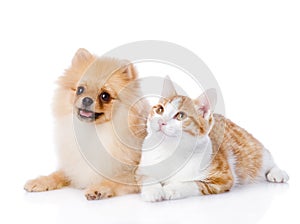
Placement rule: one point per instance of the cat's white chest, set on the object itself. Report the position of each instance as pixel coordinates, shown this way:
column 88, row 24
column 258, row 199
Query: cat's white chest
column 182, row 159
column 196, row 168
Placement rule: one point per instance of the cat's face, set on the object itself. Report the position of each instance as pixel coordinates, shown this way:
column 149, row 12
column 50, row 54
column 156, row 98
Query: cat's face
column 175, row 116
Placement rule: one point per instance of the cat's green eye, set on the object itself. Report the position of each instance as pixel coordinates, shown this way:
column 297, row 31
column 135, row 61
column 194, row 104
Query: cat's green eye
column 159, row 109
column 180, row 116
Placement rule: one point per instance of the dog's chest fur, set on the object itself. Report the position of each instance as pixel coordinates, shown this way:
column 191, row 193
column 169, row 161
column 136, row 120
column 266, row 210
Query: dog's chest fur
column 85, row 151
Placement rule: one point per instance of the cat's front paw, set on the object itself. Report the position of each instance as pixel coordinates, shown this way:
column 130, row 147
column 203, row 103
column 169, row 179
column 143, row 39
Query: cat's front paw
column 172, row 192
column 98, row 192
column 152, row 193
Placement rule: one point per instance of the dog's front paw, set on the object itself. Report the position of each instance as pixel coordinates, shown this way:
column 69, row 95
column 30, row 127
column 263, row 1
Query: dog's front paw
column 43, row 183
column 98, row 192
column 152, row 193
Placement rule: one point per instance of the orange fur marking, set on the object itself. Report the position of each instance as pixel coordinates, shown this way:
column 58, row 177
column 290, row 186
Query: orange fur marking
column 228, row 137
column 220, row 178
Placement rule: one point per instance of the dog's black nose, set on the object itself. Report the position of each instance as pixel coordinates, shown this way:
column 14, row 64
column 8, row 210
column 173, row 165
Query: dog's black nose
column 87, row 101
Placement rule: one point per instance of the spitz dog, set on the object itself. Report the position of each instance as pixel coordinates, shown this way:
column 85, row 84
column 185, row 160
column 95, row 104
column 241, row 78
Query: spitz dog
column 100, row 126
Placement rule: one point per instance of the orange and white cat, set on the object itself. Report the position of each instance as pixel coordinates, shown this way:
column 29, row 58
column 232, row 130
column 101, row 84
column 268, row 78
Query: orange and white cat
column 190, row 151
column 90, row 110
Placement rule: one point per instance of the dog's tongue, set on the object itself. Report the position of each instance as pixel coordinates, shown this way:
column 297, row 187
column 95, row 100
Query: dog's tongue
column 86, row 113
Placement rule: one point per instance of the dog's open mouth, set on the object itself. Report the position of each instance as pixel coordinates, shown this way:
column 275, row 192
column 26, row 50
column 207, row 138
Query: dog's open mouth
column 89, row 115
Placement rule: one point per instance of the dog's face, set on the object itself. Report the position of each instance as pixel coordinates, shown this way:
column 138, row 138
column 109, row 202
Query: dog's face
column 93, row 101
column 94, row 86
column 98, row 89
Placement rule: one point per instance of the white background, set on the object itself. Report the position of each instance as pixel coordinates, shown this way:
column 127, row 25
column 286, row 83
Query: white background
column 252, row 48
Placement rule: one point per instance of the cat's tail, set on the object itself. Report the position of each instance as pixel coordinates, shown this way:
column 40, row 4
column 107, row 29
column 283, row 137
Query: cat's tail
column 270, row 171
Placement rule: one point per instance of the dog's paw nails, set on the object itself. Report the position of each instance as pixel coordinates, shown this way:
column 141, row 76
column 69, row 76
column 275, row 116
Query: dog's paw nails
column 93, row 196
column 40, row 184
column 97, row 194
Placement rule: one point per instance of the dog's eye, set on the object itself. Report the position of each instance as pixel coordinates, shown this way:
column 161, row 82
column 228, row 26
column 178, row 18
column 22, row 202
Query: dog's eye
column 105, row 97
column 159, row 109
column 180, row 116
column 80, row 90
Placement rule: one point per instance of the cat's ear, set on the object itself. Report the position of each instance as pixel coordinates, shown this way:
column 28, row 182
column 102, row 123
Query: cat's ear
column 82, row 56
column 169, row 90
column 206, row 102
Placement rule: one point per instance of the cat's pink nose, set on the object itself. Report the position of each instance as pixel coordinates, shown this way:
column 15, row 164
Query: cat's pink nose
column 161, row 122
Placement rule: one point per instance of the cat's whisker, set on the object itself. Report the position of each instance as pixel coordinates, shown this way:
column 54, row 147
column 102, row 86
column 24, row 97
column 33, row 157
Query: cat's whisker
column 139, row 131
column 137, row 125
column 138, row 116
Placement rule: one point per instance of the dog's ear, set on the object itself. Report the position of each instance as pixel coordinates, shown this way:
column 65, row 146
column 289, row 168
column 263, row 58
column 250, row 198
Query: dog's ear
column 128, row 71
column 82, row 56
column 81, row 60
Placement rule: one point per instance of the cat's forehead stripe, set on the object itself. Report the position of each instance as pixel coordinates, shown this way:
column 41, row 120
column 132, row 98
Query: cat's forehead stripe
column 181, row 103
column 177, row 102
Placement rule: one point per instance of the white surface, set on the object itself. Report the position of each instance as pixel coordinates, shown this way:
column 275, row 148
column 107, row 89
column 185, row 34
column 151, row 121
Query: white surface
column 251, row 47
column 246, row 205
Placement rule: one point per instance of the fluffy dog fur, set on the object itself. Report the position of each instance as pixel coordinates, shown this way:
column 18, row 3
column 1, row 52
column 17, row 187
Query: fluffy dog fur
column 113, row 93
